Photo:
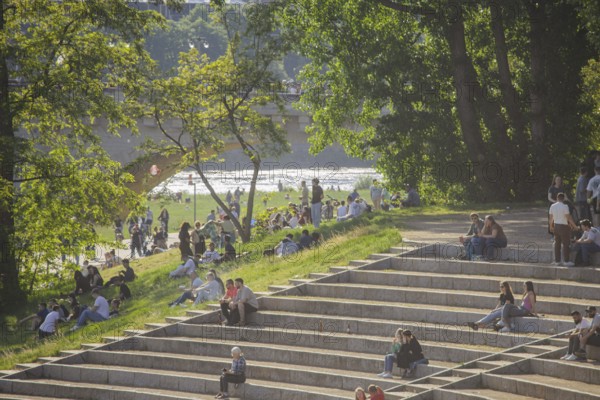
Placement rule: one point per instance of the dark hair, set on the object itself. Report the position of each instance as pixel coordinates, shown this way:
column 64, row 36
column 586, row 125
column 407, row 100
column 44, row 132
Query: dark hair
column 554, row 179
column 229, row 281
column 583, row 170
column 289, row 236
column 185, row 225
column 43, row 305
column 586, row 222
column 575, row 313
column 240, row 280
column 509, row 291
column 56, row 307
column 372, row 388
column 560, row 196
column 343, row 202
column 305, row 232
column 529, row 285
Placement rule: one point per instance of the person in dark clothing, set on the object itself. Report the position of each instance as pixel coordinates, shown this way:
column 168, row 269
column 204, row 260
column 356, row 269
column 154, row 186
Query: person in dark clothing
column 229, row 250
column 184, row 241
column 95, row 278
column 136, row 241
column 82, row 284
column 305, row 240
column 128, row 274
column 75, row 308
column 410, row 355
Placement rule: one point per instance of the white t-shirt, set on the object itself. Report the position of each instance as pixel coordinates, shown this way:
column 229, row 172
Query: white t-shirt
column 596, row 321
column 196, row 283
column 50, row 323
column 189, row 266
column 102, row 307
column 342, row 211
column 593, row 235
column 584, row 324
column 594, row 186
column 559, row 211
column 209, row 256
column 293, row 222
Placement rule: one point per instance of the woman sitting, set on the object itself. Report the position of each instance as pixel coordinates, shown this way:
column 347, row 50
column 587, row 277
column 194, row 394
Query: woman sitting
column 490, row 238
column 506, row 297
column 527, row 307
column 359, row 394
column 390, row 358
column 410, row 355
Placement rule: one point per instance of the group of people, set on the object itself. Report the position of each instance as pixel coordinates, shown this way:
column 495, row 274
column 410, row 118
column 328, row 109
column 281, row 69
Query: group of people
column 406, row 352
column 586, row 333
column 506, row 309
column 484, row 238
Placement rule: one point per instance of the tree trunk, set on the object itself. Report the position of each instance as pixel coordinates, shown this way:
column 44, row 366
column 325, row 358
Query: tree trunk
column 247, row 226
column 10, row 291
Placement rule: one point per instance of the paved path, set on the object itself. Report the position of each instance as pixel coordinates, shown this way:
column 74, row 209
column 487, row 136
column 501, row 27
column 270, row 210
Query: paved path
column 521, row 226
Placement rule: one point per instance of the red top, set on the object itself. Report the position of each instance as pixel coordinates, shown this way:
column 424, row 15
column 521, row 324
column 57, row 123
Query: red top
column 377, row 396
column 231, row 293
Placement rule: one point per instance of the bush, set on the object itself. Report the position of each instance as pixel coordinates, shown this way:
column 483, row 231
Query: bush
column 363, row 182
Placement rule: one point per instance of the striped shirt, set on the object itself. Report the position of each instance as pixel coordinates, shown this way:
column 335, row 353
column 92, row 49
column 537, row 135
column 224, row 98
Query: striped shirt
column 238, row 366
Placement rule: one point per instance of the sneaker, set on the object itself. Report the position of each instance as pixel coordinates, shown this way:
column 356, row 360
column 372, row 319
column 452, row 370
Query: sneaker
column 182, row 305
column 556, row 263
column 74, row 328
column 473, row 325
column 506, row 329
column 172, row 305
column 225, row 396
column 569, row 264
column 572, row 357
column 387, row 375
column 565, row 356
column 382, row 373
column 219, row 395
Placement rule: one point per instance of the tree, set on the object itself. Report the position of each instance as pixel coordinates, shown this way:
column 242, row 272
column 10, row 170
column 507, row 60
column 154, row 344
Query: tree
column 216, row 102
column 57, row 61
column 455, row 96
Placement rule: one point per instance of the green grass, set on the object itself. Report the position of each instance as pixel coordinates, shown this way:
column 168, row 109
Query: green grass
column 153, row 290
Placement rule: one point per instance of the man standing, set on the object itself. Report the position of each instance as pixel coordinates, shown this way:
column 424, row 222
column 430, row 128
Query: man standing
column 580, row 326
column 244, row 303
column 560, row 224
column 588, row 243
column 304, row 197
column 317, row 196
column 583, row 208
column 99, row 312
column 376, row 192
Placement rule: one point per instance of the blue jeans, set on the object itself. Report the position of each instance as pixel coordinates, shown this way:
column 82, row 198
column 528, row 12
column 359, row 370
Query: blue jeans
column 414, row 364
column 510, row 310
column 315, row 214
column 91, row 315
column 187, row 295
column 490, row 317
column 586, row 250
column 492, row 244
column 468, row 248
column 388, row 363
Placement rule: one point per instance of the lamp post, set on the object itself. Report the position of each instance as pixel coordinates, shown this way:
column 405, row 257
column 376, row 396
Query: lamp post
column 191, row 182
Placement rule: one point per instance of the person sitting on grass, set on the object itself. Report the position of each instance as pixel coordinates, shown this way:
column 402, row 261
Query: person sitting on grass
column 506, row 297
column 390, row 357
column 196, row 282
column 236, row 374
column 305, row 240
column 82, row 283
column 410, row 355
column 209, row 291
column 229, row 251
column 211, row 254
column 37, row 318
column 98, row 312
column 375, row 393
column 95, row 278
column 185, row 268
column 124, row 292
column 114, row 308
column 286, row 247
column 50, row 325
column 219, row 280
column 75, row 308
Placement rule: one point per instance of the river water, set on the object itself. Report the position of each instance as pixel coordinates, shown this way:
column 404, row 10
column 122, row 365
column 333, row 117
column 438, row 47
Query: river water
column 222, row 180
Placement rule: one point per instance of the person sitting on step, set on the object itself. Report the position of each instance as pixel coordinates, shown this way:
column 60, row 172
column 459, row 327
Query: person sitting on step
column 410, row 355
column 590, row 337
column 391, row 357
column 375, row 393
column 359, row 394
column 476, row 227
column 588, row 243
column 574, row 343
column 236, row 374
column 506, row 296
column 527, row 307
column 489, row 239
column 244, row 303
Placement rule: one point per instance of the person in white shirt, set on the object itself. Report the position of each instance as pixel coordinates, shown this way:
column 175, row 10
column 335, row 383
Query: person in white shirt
column 209, row 291
column 196, row 282
column 293, row 222
column 342, row 211
column 99, row 312
column 593, row 195
column 50, row 324
column 561, row 223
column 580, row 325
column 210, row 255
column 355, row 208
column 84, row 268
column 186, row 268
column 591, row 336
column 588, row 243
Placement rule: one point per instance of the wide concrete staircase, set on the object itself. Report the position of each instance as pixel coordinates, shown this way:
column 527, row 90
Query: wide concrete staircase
column 322, row 337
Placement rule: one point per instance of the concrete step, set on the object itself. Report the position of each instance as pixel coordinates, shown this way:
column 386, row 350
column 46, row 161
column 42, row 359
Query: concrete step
column 404, row 311
column 335, row 270
column 298, row 281
column 257, row 370
column 491, row 364
column 23, row 366
column 582, row 371
column 541, row 386
column 540, row 349
column 154, row 325
column 261, row 294
column 6, row 372
column 67, row 353
column 437, row 332
column 6, row 396
column 277, row 288
column 467, row 371
column 318, row 275
column 359, row 263
column 86, row 346
column 483, row 283
column 433, row 296
column 380, row 256
column 522, row 271
column 476, row 394
column 134, row 332
column 47, row 359
column 341, row 341
column 365, row 363
column 180, row 381
column 174, row 320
